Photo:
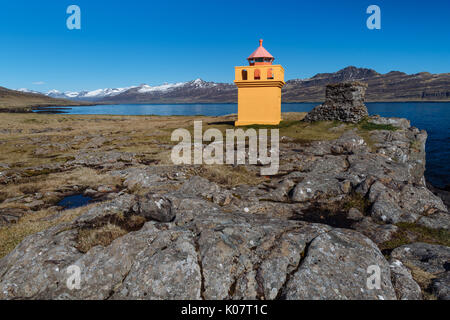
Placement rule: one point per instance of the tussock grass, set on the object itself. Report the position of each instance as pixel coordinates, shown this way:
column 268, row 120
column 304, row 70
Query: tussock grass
column 103, row 236
column 356, row 200
column 82, row 177
column 423, row 279
column 12, row 235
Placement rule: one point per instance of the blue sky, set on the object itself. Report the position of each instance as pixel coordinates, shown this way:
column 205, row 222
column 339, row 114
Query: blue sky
column 123, row 43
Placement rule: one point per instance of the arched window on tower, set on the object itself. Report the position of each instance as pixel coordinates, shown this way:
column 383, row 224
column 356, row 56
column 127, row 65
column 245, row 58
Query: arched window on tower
column 270, row 73
column 244, row 74
column 257, row 74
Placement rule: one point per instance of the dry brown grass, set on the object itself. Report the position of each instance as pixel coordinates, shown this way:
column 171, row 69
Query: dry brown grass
column 148, row 136
column 12, row 235
column 145, row 134
column 103, row 236
column 423, row 279
column 82, row 177
column 25, row 132
column 291, row 126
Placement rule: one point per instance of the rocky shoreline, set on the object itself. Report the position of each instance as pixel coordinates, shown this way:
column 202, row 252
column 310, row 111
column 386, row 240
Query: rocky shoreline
column 347, row 216
column 161, row 231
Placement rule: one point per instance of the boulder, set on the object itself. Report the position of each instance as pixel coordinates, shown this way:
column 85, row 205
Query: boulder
column 205, row 253
column 155, row 207
column 430, row 264
column 378, row 233
column 336, row 267
column 405, row 286
column 431, row 258
column 401, row 123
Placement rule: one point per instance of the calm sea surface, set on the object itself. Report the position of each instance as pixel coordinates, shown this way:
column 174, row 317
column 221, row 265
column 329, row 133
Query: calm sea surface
column 433, row 117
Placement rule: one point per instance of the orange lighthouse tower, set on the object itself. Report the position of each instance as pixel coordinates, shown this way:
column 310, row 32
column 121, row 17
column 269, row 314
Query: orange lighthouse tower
column 259, row 89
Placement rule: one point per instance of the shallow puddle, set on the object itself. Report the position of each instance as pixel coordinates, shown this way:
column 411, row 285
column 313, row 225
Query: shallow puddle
column 74, row 201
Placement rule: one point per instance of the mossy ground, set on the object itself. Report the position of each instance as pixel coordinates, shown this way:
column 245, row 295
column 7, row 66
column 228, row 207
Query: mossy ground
column 408, row 233
column 411, row 232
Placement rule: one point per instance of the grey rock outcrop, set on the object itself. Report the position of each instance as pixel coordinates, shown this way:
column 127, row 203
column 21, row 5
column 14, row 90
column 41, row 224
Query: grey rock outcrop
column 318, row 277
column 205, row 253
column 405, row 286
column 156, row 207
column 311, row 232
column 343, row 102
column 432, row 262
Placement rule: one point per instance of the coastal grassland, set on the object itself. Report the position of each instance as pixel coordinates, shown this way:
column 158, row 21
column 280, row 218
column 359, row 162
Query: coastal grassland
column 303, row 132
column 37, row 151
column 62, row 136
column 28, row 141
column 291, row 126
column 80, row 177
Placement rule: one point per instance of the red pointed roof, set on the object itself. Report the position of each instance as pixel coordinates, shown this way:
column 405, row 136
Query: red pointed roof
column 260, row 52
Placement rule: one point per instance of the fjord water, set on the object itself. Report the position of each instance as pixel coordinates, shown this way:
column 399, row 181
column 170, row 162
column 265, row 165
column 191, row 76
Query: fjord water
column 434, row 117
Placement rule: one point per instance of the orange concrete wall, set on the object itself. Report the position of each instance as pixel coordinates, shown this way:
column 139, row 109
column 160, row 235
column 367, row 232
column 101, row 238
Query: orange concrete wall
column 277, row 70
column 259, row 101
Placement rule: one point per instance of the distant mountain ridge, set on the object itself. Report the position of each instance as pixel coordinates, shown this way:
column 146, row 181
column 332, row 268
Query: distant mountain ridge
column 17, row 101
column 392, row 86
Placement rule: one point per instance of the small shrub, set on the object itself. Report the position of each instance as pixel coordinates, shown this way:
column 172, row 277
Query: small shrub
column 356, row 200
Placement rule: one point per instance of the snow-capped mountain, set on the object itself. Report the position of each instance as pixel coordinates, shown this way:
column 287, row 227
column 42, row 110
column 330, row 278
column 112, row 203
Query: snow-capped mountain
column 166, row 87
column 133, row 94
column 392, row 86
column 101, row 94
column 183, row 92
column 82, row 95
column 87, row 95
column 25, row 90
